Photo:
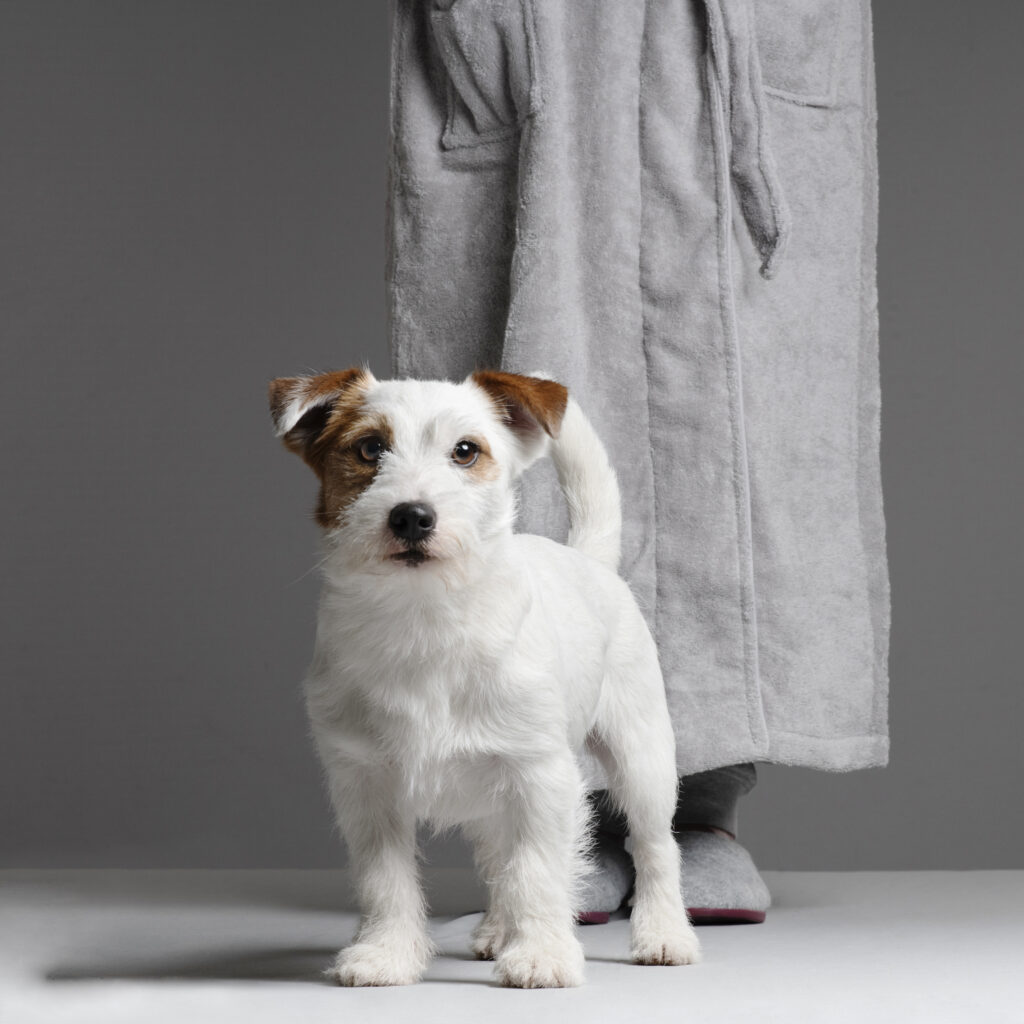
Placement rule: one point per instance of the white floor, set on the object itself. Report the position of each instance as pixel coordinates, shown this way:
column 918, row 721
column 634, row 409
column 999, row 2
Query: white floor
column 197, row 946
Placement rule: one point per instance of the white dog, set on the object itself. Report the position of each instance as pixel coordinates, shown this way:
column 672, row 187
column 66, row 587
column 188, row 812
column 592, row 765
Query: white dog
column 460, row 667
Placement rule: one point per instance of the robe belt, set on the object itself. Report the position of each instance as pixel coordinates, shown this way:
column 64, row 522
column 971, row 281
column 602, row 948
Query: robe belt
column 736, row 67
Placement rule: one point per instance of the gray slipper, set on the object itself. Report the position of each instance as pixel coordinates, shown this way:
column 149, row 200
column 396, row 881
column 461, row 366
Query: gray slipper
column 606, row 888
column 720, row 880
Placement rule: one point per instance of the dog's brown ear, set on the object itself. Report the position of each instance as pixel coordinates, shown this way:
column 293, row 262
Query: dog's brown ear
column 527, row 404
column 302, row 407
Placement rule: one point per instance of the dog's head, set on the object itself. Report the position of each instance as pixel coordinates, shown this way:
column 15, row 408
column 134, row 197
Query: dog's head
column 414, row 473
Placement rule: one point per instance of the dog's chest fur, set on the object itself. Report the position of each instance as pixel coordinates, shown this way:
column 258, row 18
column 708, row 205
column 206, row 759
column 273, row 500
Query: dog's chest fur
column 449, row 694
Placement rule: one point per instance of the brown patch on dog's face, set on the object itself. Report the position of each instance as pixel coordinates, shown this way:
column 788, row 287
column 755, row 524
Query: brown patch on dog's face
column 525, row 403
column 345, row 472
column 327, row 434
column 303, row 408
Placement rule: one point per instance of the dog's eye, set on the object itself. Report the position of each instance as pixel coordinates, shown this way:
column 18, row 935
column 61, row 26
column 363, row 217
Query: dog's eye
column 465, row 453
column 370, row 449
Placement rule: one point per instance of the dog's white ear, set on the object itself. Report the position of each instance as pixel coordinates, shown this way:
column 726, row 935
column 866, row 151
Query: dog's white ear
column 532, row 407
column 301, row 407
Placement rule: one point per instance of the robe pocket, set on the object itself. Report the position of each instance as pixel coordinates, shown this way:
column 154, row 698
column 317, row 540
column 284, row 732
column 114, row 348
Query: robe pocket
column 798, row 46
column 489, row 51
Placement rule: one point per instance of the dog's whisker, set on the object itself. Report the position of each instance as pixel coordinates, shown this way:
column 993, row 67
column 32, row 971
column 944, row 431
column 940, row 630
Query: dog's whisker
column 313, row 568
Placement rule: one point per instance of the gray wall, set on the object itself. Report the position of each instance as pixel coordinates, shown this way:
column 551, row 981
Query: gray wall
column 192, row 203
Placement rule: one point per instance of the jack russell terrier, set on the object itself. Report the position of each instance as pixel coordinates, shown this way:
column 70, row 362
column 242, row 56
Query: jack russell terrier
column 460, row 667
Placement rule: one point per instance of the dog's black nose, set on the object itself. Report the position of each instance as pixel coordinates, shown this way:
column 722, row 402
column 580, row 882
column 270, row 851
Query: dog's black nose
column 412, row 521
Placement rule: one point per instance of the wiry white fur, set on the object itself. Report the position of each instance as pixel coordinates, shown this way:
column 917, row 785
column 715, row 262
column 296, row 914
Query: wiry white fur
column 590, row 487
column 459, row 692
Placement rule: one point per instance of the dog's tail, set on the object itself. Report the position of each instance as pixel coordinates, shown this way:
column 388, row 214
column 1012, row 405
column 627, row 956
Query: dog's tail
column 590, row 488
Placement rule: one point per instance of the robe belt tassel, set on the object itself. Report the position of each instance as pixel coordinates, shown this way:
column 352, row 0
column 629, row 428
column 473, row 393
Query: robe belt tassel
column 734, row 61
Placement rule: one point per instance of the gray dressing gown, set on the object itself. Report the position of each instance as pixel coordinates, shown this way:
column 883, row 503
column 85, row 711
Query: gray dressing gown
column 670, row 206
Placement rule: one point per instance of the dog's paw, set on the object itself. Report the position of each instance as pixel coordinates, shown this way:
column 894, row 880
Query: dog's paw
column 541, row 965
column 368, row 963
column 489, row 937
column 669, row 944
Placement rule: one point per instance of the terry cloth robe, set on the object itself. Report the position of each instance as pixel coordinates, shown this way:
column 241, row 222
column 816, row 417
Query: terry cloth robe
column 670, row 206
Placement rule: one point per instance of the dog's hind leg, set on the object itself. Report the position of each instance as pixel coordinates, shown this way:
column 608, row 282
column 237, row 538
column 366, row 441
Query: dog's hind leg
column 633, row 739
column 379, row 828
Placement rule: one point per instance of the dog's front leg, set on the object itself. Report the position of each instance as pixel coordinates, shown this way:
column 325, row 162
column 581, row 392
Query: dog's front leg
column 542, row 825
column 379, row 828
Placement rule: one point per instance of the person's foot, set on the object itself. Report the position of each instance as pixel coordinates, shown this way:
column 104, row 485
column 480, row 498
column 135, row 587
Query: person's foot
column 721, row 883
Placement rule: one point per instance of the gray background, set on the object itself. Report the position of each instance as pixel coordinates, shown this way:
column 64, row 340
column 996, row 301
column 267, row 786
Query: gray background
column 192, row 202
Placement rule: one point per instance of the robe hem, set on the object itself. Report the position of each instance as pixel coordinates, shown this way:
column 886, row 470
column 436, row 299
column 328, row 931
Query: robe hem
column 799, row 751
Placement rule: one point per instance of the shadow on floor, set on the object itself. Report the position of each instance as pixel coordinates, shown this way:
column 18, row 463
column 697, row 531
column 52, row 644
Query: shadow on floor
column 287, row 965
column 307, row 965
